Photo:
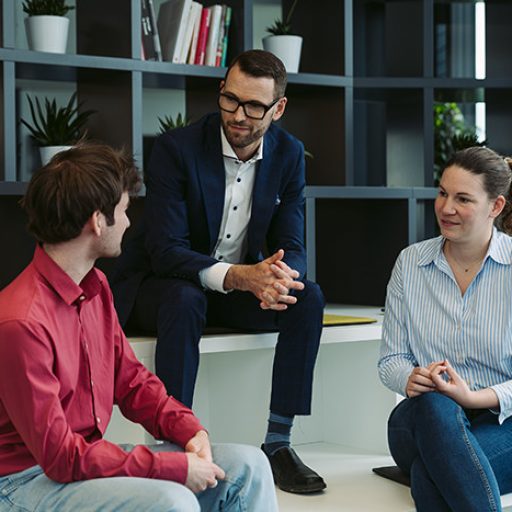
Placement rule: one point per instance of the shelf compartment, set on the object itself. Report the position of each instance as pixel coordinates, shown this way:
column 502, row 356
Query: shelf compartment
column 307, row 109
column 355, row 252
column 388, row 137
column 388, row 38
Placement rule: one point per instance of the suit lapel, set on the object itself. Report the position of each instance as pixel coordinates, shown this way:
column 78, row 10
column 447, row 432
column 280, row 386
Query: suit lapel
column 266, row 187
column 212, row 178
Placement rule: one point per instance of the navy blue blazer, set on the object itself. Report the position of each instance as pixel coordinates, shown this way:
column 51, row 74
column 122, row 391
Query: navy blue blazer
column 185, row 200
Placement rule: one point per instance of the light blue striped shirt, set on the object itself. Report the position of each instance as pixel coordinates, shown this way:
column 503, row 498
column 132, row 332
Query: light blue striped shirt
column 427, row 319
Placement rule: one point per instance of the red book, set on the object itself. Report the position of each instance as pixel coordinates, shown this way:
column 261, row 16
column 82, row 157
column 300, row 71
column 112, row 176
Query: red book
column 203, row 36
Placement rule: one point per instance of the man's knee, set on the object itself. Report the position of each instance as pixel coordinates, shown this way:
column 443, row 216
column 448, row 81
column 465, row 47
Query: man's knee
column 174, row 499
column 244, row 464
column 312, row 296
column 185, row 297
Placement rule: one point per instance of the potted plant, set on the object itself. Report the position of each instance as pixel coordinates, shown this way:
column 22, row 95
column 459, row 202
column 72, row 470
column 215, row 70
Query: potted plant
column 451, row 134
column 168, row 123
column 283, row 44
column 47, row 26
column 55, row 128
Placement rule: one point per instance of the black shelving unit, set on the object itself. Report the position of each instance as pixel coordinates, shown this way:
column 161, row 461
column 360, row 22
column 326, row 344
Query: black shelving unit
column 362, row 103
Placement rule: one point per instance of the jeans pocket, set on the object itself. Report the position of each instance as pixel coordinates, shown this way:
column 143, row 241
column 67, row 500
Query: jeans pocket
column 11, row 488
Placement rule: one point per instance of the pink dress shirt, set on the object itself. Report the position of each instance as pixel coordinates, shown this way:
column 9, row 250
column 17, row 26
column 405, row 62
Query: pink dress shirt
column 64, row 362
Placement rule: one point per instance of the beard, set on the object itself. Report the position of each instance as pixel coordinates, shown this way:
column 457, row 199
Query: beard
column 239, row 140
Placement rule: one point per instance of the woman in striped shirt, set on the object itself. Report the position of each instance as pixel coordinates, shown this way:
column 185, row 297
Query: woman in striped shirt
column 447, row 343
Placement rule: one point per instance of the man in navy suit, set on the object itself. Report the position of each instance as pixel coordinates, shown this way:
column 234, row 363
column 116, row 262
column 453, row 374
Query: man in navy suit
column 220, row 194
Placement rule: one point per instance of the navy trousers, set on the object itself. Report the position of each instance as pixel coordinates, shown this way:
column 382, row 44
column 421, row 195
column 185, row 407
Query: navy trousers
column 178, row 310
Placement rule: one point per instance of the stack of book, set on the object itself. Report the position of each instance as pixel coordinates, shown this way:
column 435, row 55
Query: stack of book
column 187, row 32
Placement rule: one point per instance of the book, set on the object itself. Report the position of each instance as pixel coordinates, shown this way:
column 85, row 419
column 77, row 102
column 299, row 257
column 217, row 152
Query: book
column 213, row 35
column 220, row 39
column 187, row 35
column 204, row 28
column 172, row 18
column 226, row 38
column 154, row 29
column 148, row 42
column 195, row 33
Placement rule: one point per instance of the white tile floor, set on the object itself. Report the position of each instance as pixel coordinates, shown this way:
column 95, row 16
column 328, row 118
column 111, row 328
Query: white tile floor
column 351, row 484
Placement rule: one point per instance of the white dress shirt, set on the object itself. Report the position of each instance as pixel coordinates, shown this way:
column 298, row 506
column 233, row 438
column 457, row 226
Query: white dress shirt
column 231, row 246
column 428, row 319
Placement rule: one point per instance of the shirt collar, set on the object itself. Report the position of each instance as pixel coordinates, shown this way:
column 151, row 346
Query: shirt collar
column 229, row 152
column 499, row 249
column 61, row 283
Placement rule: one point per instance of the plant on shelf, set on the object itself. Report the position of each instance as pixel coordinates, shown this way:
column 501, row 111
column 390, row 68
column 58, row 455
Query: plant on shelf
column 168, row 123
column 282, row 43
column 451, row 134
column 280, row 27
column 56, row 127
column 46, row 7
column 47, row 26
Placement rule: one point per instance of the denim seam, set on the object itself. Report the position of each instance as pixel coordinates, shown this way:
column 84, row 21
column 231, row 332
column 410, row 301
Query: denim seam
column 476, row 460
column 241, row 498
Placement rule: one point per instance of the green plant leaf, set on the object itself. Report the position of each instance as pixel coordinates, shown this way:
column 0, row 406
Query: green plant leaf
column 56, row 126
column 46, row 7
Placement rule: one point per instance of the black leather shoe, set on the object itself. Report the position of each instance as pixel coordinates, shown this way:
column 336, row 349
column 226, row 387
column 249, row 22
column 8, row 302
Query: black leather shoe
column 291, row 474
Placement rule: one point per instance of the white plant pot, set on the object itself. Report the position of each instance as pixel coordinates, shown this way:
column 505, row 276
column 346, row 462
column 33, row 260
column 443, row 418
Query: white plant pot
column 287, row 48
column 47, row 152
column 47, row 33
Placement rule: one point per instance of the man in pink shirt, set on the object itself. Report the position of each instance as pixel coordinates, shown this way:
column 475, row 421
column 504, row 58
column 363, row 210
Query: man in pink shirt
column 64, row 362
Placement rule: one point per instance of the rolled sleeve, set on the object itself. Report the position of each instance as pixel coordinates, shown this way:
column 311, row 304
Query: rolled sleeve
column 504, row 393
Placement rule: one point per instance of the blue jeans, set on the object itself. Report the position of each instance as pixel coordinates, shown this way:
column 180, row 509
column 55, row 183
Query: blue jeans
column 454, row 464
column 248, row 487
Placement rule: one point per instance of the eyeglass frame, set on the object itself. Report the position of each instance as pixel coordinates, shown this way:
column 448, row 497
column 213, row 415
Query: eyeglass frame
column 243, row 103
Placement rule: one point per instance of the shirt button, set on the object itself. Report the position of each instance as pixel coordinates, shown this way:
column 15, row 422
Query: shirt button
column 220, row 257
column 98, row 419
column 235, row 208
column 239, row 180
column 4, row 491
column 228, row 236
column 82, row 297
column 92, row 384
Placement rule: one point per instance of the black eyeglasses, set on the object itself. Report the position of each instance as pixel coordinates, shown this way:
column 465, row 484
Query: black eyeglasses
column 252, row 109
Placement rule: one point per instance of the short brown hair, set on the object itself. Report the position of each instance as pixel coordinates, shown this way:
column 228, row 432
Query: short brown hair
column 62, row 195
column 260, row 63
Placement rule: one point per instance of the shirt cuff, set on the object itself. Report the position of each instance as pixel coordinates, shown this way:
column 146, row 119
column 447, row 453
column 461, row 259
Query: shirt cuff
column 212, row 278
column 504, row 393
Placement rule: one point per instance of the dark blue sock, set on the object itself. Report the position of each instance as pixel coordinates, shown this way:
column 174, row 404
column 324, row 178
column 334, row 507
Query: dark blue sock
column 278, row 433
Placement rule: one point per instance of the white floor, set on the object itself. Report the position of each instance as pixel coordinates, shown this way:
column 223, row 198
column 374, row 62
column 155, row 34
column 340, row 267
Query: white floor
column 351, row 484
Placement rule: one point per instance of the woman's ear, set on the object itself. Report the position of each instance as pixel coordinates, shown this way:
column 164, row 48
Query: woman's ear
column 497, row 208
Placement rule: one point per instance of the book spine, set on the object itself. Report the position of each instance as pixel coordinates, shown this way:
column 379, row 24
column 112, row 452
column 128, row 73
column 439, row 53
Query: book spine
column 203, row 36
column 154, row 28
column 220, row 40
column 187, row 35
column 226, row 37
column 148, row 50
column 195, row 34
column 182, row 27
column 213, row 34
